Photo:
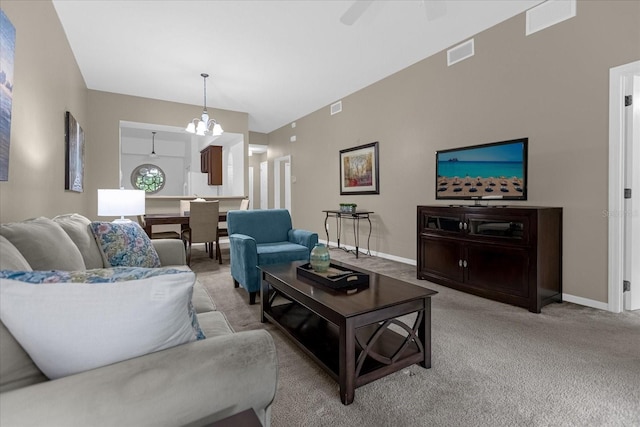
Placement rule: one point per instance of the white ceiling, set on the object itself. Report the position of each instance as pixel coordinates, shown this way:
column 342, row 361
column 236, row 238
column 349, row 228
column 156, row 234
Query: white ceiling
column 276, row 60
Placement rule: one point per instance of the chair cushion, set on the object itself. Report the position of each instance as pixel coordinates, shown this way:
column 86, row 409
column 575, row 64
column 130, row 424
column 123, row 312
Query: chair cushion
column 274, row 253
column 70, row 322
column 77, row 227
column 44, row 244
column 125, row 244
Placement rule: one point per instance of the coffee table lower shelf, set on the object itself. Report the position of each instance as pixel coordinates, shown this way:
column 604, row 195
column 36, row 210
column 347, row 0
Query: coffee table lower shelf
column 319, row 338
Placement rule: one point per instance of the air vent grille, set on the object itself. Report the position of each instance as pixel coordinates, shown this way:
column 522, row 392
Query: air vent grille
column 460, row 52
column 336, row 108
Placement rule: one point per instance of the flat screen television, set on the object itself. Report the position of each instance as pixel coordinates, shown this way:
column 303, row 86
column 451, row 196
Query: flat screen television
column 483, row 172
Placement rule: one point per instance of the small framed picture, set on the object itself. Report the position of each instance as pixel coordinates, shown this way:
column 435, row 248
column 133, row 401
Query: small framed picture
column 359, row 170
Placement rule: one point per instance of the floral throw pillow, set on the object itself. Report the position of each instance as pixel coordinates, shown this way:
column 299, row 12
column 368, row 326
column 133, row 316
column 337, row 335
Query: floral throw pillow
column 125, row 244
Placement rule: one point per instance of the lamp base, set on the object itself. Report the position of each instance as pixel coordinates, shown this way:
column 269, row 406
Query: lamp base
column 121, row 220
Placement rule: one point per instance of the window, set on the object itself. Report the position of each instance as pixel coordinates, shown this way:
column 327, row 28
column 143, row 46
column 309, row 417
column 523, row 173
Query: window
column 149, row 178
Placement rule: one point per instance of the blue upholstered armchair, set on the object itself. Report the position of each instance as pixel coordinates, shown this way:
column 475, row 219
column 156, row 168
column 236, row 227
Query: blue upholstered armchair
column 260, row 237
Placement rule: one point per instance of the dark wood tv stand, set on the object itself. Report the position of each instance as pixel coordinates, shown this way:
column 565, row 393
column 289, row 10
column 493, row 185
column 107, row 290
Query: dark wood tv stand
column 511, row 254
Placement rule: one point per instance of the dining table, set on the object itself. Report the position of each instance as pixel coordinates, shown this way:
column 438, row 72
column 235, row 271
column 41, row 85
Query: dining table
column 172, row 218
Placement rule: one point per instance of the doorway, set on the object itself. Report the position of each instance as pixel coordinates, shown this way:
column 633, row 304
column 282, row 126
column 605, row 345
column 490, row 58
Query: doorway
column 251, row 195
column 282, row 183
column 624, row 173
column 264, row 189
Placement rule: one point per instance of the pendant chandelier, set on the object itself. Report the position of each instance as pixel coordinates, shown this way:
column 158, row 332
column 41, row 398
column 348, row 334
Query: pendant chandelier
column 153, row 145
column 204, row 125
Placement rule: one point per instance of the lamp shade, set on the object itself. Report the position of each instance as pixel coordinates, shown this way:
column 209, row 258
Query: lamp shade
column 113, row 202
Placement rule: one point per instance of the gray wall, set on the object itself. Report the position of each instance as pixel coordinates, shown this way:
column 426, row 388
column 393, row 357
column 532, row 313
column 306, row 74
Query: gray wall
column 551, row 86
column 47, row 84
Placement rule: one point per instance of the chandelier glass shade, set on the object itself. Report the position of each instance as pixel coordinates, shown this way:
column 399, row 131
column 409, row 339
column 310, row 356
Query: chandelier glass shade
column 204, row 125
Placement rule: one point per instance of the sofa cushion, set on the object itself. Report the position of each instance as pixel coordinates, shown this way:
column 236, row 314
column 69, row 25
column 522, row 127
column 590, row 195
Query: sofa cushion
column 202, row 301
column 214, row 324
column 124, row 244
column 70, row 322
column 77, row 227
column 16, row 367
column 275, row 253
column 10, row 257
column 44, row 244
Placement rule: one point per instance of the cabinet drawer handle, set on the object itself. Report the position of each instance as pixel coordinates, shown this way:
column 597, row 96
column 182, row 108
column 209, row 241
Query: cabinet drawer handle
column 466, row 226
column 459, row 263
column 460, row 225
column 464, row 263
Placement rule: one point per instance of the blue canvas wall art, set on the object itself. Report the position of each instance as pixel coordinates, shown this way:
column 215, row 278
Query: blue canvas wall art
column 7, row 49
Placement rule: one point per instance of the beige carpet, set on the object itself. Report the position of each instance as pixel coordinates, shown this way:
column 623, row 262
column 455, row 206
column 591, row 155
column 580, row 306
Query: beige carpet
column 492, row 364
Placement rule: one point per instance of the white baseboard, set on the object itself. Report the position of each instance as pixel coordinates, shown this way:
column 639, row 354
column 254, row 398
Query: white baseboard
column 374, row 253
column 585, row 301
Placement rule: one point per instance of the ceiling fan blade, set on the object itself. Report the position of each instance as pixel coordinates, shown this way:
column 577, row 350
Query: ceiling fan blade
column 355, row 11
column 434, row 9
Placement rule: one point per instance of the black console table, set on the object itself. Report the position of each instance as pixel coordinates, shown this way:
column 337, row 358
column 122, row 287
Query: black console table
column 356, row 217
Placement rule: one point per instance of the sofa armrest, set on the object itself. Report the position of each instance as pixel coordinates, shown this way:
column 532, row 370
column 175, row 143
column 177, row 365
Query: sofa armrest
column 170, row 251
column 192, row 384
column 303, row 237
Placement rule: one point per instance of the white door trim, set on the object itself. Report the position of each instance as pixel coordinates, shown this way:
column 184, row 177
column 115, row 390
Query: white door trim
column 264, row 185
column 276, row 181
column 615, row 213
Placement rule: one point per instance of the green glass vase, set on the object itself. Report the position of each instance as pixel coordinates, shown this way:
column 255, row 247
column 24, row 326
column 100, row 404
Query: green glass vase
column 320, row 258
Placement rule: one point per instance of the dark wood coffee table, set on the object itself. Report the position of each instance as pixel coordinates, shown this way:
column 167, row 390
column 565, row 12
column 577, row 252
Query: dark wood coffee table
column 348, row 335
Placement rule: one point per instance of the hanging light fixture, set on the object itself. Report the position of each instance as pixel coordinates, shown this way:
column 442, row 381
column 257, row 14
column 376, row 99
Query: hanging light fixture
column 153, row 145
column 204, row 125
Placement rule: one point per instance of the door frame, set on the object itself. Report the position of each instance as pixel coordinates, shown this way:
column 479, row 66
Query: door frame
column 264, row 185
column 277, row 185
column 615, row 214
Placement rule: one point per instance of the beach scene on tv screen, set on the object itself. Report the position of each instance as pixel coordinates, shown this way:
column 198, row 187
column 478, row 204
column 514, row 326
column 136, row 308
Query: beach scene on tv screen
column 490, row 171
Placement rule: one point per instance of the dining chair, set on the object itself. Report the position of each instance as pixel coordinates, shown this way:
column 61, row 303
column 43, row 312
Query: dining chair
column 203, row 228
column 185, row 206
column 222, row 228
column 159, row 234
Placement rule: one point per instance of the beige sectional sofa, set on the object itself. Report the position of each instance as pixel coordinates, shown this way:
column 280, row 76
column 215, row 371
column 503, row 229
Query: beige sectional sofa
column 192, row 384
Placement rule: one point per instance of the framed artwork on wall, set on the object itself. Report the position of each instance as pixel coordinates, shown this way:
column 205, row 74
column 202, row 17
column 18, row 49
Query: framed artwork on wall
column 359, row 170
column 74, row 160
column 8, row 42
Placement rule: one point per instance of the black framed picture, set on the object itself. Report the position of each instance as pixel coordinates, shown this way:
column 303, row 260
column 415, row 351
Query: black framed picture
column 359, row 170
column 74, row 160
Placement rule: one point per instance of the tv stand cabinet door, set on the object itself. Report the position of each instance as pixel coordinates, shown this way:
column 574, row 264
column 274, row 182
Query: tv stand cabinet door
column 440, row 259
column 499, row 272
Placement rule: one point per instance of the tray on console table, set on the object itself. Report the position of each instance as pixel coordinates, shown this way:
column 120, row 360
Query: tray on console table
column 336, row 277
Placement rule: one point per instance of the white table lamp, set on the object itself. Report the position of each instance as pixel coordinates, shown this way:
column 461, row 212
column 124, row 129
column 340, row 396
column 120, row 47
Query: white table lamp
column 113, row 202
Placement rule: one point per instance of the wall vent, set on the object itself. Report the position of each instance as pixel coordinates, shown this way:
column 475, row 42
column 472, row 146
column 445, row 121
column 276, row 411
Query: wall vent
column 549, row 13
column 461, row 52
column 336, row 108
